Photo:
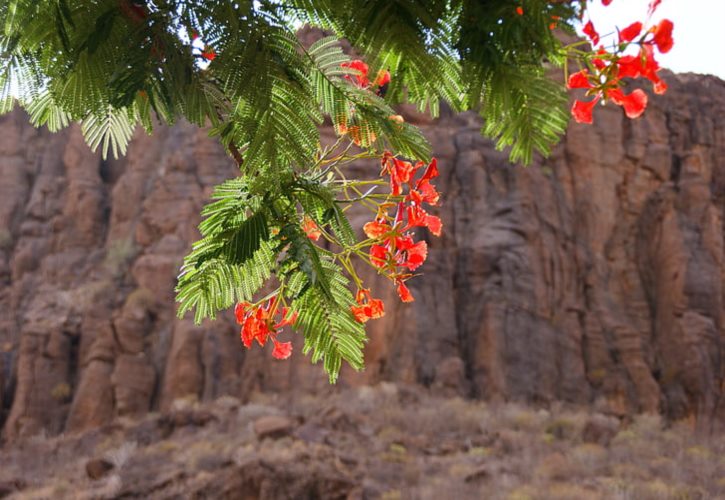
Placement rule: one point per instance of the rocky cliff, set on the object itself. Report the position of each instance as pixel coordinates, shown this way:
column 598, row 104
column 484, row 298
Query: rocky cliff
column 593, row 277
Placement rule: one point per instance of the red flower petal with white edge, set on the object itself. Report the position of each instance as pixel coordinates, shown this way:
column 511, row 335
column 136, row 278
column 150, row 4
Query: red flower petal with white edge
column 606, row 2
column 653, row 6
column 404, row 293
column 282, row 350
column 428, row 192
column 434, row 224
column 579, row 80
column 630, row 32
column 634, row 103
column 582, row 111
column 663, row 36
column 416, row 255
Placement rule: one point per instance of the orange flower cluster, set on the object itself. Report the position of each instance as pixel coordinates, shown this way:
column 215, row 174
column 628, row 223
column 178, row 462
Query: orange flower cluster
column 604, row 78
column 395, row 252
column 368, row 308
column 258, row 324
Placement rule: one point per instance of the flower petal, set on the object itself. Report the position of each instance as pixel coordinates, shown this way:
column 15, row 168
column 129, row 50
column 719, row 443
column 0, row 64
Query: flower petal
column 404, row 293
column 582, row 111
column 579, row 80
column 630, row 32
column 634, row 103
column 282, row 350
column 663, row 36
column 591, row 32
column 378, row 255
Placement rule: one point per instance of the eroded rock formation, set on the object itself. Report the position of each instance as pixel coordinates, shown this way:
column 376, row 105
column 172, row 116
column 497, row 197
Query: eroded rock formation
column 594, row 277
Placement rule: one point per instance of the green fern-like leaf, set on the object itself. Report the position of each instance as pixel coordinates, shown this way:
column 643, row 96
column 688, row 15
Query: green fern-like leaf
column 331, row 332
column 112, row 130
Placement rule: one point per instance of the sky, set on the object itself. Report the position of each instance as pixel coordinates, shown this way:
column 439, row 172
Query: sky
column 699, row 32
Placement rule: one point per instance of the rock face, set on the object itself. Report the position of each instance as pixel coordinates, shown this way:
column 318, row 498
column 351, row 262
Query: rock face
column 594, row 277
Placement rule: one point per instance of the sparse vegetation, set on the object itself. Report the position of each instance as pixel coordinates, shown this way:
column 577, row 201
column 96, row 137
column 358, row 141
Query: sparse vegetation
column 404, row 442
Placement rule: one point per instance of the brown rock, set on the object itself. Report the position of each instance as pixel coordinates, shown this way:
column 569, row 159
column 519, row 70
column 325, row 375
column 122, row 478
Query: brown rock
column 133, row 382
column 600, row 430
column 273, row 426
column 96, row 468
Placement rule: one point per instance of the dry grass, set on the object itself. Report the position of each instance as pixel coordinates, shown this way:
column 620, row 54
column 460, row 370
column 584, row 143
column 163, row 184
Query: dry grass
column 397, row 442
column 470, row 449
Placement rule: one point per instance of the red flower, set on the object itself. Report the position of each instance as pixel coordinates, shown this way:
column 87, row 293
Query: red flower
column 368, row 307
column 415, row 253
column 650, row 67
column 582, row 111
column 208, row 53
column 361, row 80
column 660, row 87
column 404, row 293
column 598, row 62
column 520, row 11
column 630, row 32
column 240, row 310
column 663, row 36
column 629, row 66
column 606, row 2
column 310, row 228
column 634, row 103
column 256, row 327
column 591, row 33
column 378, row 255
column 417, row 217
column 288, row 319
column 579, row 80
column 424, row 192
column 653, row 6
column 258, row 324
column 282, row 350
column 431, row 172
column 400, row 172
column 434, row 224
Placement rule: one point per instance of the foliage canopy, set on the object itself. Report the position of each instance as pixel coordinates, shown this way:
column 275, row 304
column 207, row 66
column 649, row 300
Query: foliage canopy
column 239, row 68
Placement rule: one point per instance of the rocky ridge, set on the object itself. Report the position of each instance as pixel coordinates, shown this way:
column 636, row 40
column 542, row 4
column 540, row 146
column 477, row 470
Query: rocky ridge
column 594, row 277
